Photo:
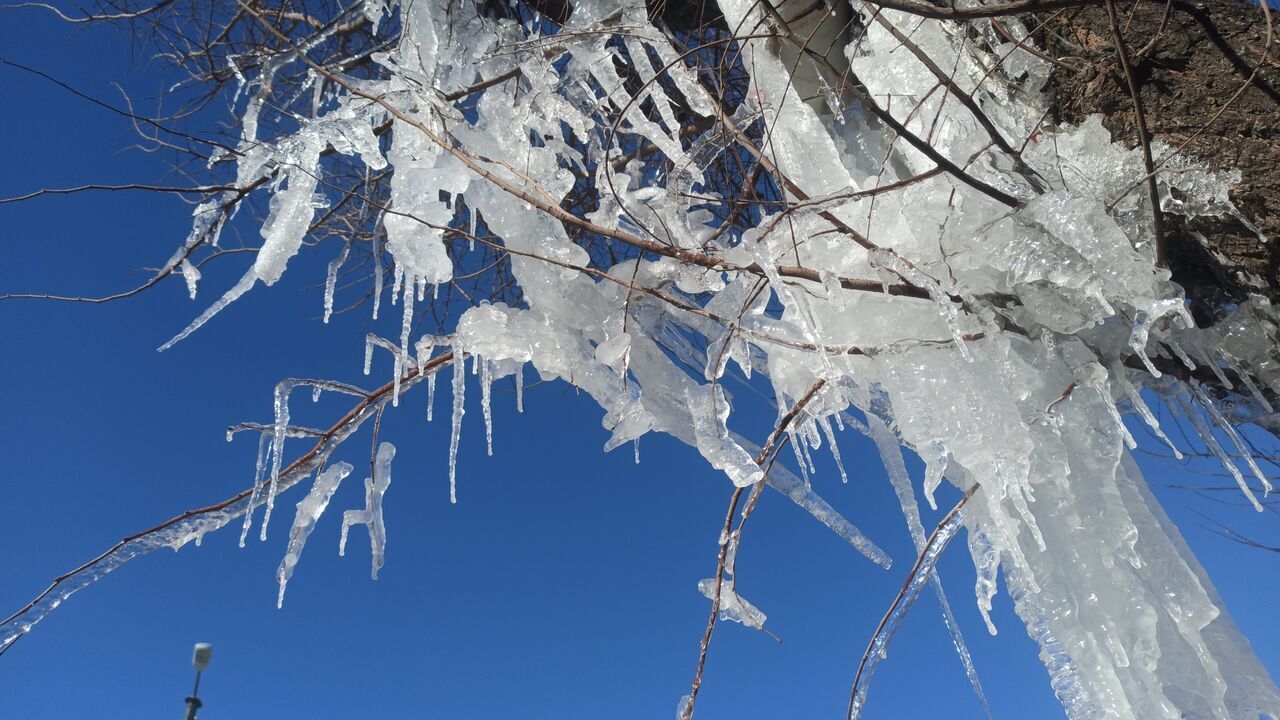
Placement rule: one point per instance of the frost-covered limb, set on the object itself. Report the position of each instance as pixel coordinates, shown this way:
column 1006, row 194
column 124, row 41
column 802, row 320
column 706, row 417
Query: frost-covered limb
column 194, row 524
column 891, row 456
column 920, row 573
column 730, row 540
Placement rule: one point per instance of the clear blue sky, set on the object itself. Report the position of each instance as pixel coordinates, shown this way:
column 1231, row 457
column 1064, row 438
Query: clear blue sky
column 563, row 584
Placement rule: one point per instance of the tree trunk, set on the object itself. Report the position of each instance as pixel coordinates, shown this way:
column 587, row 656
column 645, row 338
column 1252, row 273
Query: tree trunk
column 1189, row 59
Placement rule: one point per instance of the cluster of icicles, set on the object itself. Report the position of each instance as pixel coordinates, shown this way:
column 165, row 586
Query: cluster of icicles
column 1038, row 325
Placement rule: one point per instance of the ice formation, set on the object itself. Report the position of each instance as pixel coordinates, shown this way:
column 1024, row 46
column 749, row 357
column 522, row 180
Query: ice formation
column 979, row 288
column 371, row 516
column 309, row 510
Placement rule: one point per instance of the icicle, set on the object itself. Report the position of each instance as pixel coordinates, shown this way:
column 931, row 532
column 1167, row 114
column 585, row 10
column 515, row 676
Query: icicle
column 402, row 351
column 486, row 379
column 520, row 389
column 281, row 402
column 891, row 457
column 368, row 353
column 806, row 454
column 825, row 424
column 229, row 297
column 263, row 449
column 1182, row 355
column 431, row 394
column 924, row 571
column 1094, row 376
column 371, row 516
column 1206, row 436
column 935, row 467
column 309, row 510
column 797, row 450
column 331, row 281
column 459, row 388
column 1135, row 399
column 1138, row 341
column 718, row 356
column 191, row 274
column 709, row 411
column 1222, row 378
column 377, row 276
column 636, row 443
column 1232, row 433
column 1243, row 374
column 397, row 279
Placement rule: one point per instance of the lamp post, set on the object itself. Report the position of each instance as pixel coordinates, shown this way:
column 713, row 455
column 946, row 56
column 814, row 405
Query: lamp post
column 200, row 661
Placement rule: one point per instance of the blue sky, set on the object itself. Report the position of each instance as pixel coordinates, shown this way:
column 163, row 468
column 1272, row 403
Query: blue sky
column 563, row 584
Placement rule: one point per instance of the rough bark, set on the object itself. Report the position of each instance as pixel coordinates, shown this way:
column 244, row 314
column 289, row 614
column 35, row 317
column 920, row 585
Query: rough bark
column 1189, row 60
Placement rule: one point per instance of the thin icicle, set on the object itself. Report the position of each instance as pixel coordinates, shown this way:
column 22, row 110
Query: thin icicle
column 240, row 288
column 794, row 442
column 431, row 394
column 263, row 449
column 825, row 424
column 1138, row 338
column 1222, row 377
column 331, row 281
column 368, row 353
column 801, row 493
column 486, row 379
column 459, row 388
column 1243, row 374
column 1232, row 433
column 402, row 356
column 377, row 276
column 1135, row 399
column 191, row 274
column 520, row 389
column 1206, row 436
column 1094, row 376
column 281, row 403
column 891, row 457
column 1182, row 355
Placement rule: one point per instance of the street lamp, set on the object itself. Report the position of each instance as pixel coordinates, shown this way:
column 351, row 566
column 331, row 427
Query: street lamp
column 200, row 661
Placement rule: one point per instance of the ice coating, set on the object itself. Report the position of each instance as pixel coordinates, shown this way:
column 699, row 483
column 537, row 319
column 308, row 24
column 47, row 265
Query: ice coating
column 733, row 607
column 710, row 410
column 998, row 322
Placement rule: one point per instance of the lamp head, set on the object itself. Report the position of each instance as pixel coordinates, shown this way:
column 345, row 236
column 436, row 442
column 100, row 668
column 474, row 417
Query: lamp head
column 200, row 658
